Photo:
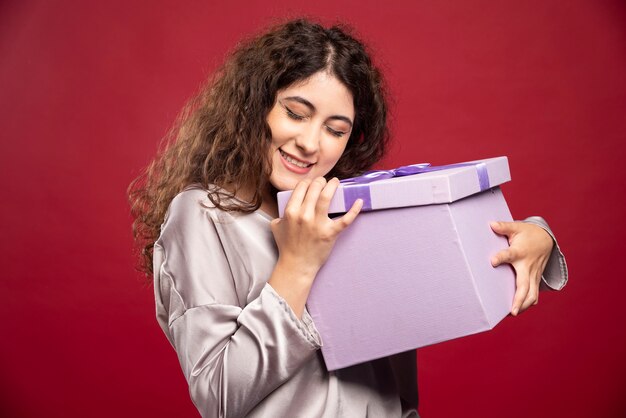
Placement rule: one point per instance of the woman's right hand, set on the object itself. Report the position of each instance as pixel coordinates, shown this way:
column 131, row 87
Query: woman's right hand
column 305, row 235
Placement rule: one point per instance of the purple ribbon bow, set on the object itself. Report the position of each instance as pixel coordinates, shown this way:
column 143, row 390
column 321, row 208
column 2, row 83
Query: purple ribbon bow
column 358, row 187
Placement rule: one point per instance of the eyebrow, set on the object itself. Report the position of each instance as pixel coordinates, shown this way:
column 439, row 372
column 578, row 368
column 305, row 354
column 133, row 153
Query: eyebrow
column 310, row 106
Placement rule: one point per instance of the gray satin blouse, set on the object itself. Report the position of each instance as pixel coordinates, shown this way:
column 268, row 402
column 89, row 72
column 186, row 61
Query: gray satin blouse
column 241, row 348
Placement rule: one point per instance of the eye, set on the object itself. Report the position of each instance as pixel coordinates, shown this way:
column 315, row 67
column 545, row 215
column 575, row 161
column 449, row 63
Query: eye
column 333, row 132
column 293, row 115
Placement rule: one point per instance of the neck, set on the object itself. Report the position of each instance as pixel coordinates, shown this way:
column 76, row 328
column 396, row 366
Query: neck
column 270, row 204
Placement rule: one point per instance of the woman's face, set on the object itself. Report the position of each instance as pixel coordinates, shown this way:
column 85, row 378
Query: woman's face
column 311, row 122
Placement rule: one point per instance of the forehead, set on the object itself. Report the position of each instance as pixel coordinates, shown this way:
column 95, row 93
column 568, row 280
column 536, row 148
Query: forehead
column 325, row 92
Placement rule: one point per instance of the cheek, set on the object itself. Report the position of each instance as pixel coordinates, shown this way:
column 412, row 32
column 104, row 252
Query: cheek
column 274, row 157
column 336, row 150
column 332, row 155
column 282, row 130
column 276, row 127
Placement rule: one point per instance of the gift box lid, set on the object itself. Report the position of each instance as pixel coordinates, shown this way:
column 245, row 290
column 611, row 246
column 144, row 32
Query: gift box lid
column 415, row 185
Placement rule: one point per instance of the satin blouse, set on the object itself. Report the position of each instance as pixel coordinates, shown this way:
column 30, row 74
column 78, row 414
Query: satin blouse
column 241, row 348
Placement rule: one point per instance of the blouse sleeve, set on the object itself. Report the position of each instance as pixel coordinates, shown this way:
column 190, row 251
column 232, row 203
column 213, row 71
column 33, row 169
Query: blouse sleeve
column 232, row 356
column 555, row 274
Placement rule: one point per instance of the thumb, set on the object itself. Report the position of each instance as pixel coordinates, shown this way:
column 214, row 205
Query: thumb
column 274, row 223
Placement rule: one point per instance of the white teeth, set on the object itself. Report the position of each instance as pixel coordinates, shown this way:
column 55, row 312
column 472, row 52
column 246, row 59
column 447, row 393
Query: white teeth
column 294, row 162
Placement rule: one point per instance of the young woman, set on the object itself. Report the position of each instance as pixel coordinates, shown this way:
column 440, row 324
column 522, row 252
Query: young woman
column 295, row 108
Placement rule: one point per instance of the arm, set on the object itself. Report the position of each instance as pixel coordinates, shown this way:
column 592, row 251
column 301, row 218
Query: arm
column 305, row 236
column 536, row 258
column 233, row 353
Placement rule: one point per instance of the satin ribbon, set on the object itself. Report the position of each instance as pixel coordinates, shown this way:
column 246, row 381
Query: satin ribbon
column 358, row 187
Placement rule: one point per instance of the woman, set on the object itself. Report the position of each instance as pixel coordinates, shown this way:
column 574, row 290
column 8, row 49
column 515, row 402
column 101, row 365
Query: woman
column 296, row 106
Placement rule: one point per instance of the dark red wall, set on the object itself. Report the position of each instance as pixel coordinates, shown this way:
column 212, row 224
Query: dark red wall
column 88, row 88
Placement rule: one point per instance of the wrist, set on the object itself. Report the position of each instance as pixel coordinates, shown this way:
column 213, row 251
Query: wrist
column 547, row 239
column 292, row 284
column 297, row 269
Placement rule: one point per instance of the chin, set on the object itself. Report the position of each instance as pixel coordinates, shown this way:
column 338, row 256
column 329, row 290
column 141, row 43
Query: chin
column 282, row 184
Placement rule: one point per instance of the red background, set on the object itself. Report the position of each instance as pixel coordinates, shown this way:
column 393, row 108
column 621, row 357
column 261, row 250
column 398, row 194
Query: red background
column 88, row 88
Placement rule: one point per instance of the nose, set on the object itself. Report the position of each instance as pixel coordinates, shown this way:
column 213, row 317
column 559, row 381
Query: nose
column 308, row 140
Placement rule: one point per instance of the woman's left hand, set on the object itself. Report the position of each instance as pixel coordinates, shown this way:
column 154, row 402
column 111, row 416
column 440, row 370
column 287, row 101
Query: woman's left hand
column 528, row 253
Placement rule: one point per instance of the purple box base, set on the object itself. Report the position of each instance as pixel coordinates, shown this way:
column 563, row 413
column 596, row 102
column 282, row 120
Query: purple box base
column 404, row 278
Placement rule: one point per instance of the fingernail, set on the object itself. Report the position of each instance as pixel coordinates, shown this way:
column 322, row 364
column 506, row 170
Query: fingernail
column 493, row 224
column 515, row 311
column 494, row 261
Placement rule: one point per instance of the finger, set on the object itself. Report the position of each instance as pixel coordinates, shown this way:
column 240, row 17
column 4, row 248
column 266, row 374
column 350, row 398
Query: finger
column 531, row 298
column 533, row 293
column 326, row 196
column 312, row 195
column 504, row 228
column 539, row 280
column 536, row 284
column 521, row 291
column 296, row 198
column 508, row 255
column 275, row 225
column 347, row 219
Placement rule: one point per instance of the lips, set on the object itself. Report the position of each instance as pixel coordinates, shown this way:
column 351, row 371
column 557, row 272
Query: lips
column 293, row 160
column 295, row 164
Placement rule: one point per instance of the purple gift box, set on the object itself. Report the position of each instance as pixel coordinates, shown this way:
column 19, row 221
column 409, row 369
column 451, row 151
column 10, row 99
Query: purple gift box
column 413, row 269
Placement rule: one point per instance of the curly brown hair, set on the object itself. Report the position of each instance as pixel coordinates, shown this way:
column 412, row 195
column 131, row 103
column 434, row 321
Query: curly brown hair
column 221, row 139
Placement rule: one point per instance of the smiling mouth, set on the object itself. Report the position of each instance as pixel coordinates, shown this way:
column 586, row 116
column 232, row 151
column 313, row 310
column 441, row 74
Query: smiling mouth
column 294, row 161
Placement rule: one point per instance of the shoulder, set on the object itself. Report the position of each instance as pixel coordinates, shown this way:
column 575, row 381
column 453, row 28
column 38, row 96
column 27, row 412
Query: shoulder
column 189, row 230
column 192, row 201
column 190, row 209
column 191, row 194
column 206, row 253
column 192, row 221
column 190, row 253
